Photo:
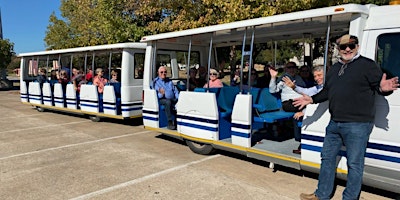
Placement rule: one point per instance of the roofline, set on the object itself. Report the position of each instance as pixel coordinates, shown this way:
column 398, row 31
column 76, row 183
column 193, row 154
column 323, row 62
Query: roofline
column 135, row 45
column 327, row 11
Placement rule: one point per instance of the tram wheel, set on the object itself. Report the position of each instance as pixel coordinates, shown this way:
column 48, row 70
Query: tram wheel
column 94, row 118
column 200, row 148
column 40, row 109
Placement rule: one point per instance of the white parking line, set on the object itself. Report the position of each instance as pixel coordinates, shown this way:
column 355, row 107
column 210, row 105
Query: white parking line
column 24, row 129
column 73, row 145
column 141, row 179
column 1, row 118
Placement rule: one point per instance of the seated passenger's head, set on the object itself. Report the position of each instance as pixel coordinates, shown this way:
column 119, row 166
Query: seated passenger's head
column 304, row 72
column 63, row 74
column 99, row 72
column 114, row 75
column 291, row 68
column 193, row 72
column 162, row 72
column 318, row 73
column 42, row 71
column 213, row 74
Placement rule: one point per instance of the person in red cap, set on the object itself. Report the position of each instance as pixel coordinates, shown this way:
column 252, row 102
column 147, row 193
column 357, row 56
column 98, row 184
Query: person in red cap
column 351, row 86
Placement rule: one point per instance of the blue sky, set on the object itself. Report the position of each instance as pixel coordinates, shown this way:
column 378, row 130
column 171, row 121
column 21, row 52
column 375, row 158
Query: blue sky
column 25, row 22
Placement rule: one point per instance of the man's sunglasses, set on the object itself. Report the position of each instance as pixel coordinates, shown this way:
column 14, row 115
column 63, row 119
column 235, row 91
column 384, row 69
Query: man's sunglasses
column 344, row 46
column 163, row 72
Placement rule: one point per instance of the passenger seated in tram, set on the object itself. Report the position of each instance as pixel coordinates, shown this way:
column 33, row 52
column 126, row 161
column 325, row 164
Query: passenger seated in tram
column 41, row 78
column 167, row 94
column 53, row 77
column 114, row 81
column 194, row 82
column 62, row 77
column 114, row 76
column 78, row 80
column 202, row 75
column 99, row 80
column 263, row 81
column 214, row 82
column 253, row 80
column 287, row 93
column 89, row 75
column 307, row 76
column 318, row 73
column 235, row 81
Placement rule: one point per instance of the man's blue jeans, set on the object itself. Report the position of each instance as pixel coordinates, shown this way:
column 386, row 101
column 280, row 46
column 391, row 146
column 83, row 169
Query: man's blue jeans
column 169, row 107
column 353, row 135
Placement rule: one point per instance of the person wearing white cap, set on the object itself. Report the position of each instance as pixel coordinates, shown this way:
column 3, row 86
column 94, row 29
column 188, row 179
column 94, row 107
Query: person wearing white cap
column 351, row 86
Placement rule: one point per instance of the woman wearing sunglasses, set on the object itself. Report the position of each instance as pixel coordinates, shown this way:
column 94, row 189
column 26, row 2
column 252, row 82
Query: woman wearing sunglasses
column 214, row 82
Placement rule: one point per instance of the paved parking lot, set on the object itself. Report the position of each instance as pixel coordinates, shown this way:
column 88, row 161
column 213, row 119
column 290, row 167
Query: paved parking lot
column 50, row 155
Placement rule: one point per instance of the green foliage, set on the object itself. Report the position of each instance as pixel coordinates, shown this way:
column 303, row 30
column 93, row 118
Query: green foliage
column 6, row 52
column 92, row 22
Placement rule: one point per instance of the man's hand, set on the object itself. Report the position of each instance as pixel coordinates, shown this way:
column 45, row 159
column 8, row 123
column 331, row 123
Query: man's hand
column 289, row 82
column 162, row 91
column 388, row 85
column 302, row 101
column 298, row 115
column 273, row 72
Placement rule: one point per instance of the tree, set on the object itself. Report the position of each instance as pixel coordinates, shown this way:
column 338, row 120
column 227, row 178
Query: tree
column 92, row 22
column 6, row 53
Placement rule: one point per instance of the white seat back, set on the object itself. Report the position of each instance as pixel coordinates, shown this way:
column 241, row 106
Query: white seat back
column 35, row 94
column 89, row 98
column 109, row 100
column 71, row 99
column 58, row 95
column 47, row 94
column 23, row 90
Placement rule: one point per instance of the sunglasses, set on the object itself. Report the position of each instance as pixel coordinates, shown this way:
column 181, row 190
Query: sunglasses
column 344, row 46
column 211, row 74
column 163, row 72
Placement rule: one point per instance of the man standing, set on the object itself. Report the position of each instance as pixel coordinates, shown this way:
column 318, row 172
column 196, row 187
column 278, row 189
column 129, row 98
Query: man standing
column 350, row 87
column 167, row 94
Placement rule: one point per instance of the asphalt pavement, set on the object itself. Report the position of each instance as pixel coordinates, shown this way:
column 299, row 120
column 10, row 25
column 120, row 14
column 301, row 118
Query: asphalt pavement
column 53, row 155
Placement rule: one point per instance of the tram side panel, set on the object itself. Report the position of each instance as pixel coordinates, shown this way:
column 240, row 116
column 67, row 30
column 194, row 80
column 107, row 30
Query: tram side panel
column 24, row 95
column 241, row 120
column 35, row 94
column 197, row 115
column 150, row 108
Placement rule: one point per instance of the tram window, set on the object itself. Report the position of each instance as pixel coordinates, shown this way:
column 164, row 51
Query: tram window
column 387, row 54
column 139, row 65
column 116, row 60
column 182, row 57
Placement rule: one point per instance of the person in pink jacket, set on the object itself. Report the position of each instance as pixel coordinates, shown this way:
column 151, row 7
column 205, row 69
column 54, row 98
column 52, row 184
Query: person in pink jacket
column 99, row 80
column 214, row 82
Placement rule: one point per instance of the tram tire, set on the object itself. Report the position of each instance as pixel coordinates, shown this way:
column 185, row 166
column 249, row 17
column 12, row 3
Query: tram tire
column 200, row 148
column 40, row 109
column 94, row 118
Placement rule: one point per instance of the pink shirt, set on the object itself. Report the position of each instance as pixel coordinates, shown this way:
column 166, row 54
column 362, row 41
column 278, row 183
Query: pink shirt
column 100, row 82
column 215, row 84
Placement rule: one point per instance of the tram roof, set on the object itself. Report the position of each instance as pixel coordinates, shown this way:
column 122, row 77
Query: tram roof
column 135, row 45
column 277, row 27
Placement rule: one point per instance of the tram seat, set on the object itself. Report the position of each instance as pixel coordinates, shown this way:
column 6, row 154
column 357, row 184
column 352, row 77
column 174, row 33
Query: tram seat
column 111, row 100
column 24, row 94
column 58, row 94
column 35, row 93
column 225, row 98
column 72, row 98
column 47, row 94
column 267, row 107
column 91, row 100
